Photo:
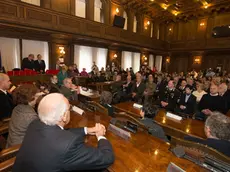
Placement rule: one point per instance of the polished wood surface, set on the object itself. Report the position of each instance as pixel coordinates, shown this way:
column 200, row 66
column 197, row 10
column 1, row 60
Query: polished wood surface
column 101, row 86
column 8, row 153
column 7, row 165
column 171, row 127
column 89, row 94
column 33, row 78
column 142, row 153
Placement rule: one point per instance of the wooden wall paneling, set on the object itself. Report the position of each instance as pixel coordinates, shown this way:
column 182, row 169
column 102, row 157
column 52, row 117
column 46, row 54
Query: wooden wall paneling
column 90, row 9
column 61, row 6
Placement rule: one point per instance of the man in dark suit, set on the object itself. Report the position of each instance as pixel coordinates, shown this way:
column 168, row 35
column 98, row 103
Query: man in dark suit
column 69, row 90
column 39, row 64
column 53, row 85
column 217, row 131
column 47, row 146
column 187, row 101
column 28, row 62
column 138, row 89
column 127, row 89
column 6, row 102
column 169, row 97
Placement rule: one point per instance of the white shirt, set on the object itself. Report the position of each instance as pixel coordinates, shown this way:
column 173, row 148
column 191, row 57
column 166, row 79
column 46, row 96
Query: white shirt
column 85, row 130
column 198, row 95
column 187, row 97
column 4, row 91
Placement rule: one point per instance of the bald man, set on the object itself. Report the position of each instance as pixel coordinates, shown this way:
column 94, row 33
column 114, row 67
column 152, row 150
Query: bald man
column 6, row 102
column 48, row 147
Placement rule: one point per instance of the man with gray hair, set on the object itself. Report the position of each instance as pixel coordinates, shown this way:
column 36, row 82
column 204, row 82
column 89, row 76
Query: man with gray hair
column 217, row 130
column 48, row 147
column 225, row 94
column 6, row 101
column 69, row 90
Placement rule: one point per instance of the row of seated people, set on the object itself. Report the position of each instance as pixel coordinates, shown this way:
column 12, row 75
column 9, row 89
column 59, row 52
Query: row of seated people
column 57, row 100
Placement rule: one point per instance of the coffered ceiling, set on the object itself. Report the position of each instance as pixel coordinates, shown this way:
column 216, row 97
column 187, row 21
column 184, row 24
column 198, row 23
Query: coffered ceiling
column 176, row 9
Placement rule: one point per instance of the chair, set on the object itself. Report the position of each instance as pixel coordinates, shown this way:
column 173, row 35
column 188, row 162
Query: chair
column 8, row 153
column 7, row 165
column 198, row 149
column 10, row 73
column 16, row 73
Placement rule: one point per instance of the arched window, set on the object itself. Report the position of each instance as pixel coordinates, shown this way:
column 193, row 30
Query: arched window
column 98, row 11
column 34, row 2
column 135, row 24
column 126, row 20
column 80, row 7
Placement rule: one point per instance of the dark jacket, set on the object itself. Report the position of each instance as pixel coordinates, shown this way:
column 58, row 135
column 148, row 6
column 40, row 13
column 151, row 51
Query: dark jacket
column 27, row 64
column 190, row 104
column 6, row 105
column 222, row 146
column 128, row 89
column 40, row 66
column 51, row 149
column 139, row 90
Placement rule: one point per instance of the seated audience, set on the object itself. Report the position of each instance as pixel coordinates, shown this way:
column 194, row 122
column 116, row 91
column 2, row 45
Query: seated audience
column 39, row 64
column 69, row 90
column 28, row 62
column 150, row 88
column 169, row 97
column 147, row 114
column 199, row 91
column 209, row 103
column 138, row 89
column 47, row 146
column 23, row 114
column 116, row 89
column 182, row 86
column 187, row 102
column 217, row 132
column 84, row 73
column 127, row 89
column 75, row 69
column 224, row 92
column 53, row 85
column 70, row 72
column 6, row 101
column 62, row 74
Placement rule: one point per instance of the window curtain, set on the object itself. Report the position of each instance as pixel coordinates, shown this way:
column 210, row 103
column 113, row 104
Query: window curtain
column 85, row 56
column 126, row 59
column 151, row 30
column 136, row 62
column 135, row 24
column 126, row 20
column 151, row 61
column 36, row 47
column 10, row 53
column 80, row 8
column 158, row 63
column 98, row 14
column 34, row 2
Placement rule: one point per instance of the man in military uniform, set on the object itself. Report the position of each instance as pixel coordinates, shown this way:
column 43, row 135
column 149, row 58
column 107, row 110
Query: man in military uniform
column 169, row 97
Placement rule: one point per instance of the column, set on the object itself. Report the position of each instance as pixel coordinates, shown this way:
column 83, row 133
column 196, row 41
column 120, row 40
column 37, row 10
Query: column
column 90, row 9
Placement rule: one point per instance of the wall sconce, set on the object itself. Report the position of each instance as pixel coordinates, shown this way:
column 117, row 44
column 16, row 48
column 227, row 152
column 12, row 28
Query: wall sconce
column 117, row 11
column 115, row 56
column 167, row 59
column 170, row 29
column 62, row 50
column 147, row 24
column 145, row 58
column 197, row 59
column 202, row 24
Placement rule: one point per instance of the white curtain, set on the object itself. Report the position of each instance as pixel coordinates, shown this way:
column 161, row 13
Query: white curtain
column 126, row 20
column 158, row 63
column 136, row 62
column 135, row 24
column 10, row 53
column 126, row 59
column 85, row 56
column 151, row 30
column 36, row 47
column 98, row 14
column 34, row 2
column 151, row 61
column 80, row 8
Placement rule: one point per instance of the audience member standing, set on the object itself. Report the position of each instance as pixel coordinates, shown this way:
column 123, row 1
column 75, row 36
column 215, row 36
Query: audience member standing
column 62, row 75
column 39, row 64
column 28, row 62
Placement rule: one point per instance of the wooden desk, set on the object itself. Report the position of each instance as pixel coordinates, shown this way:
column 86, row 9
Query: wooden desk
column 171, row 127
column 101, row 86
column 32, row 78
column 142, row 153
column 90, row 95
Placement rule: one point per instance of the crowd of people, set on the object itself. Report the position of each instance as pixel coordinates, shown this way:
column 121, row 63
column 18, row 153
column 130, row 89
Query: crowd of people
column 37, row 109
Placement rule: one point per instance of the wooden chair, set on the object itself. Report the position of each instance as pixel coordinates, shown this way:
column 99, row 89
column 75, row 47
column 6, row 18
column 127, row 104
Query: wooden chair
column 99, row 107
column 7, row 165
column 8, row 153
column 125, row 116
column 198, row 149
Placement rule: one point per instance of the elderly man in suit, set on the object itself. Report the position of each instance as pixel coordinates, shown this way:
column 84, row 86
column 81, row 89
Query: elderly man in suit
column 28, row 62
column 69, row 90
column 217, row 131
column 6, row 101
column 47, row 146
column 138, row 89
column 39, row 64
